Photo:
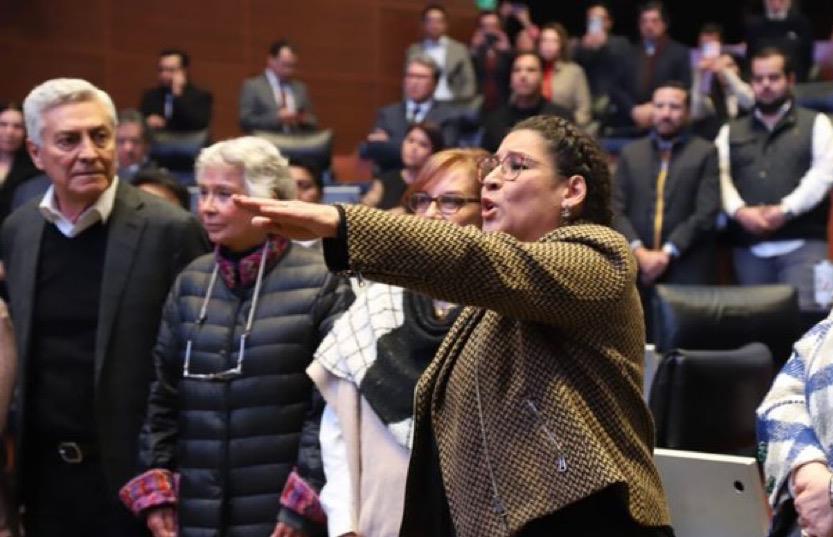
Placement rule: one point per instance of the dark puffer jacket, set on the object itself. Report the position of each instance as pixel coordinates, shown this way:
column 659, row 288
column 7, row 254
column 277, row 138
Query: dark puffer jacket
column 234, row 442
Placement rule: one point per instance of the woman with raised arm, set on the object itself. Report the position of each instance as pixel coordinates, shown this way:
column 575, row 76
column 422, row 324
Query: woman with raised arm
column 530, row 419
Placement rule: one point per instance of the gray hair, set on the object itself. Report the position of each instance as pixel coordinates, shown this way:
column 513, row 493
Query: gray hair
column 56, row 92
column 427, row 61
column 265, row 170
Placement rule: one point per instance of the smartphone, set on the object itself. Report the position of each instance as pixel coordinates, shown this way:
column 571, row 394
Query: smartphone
column 710, row 49
column 595, row 25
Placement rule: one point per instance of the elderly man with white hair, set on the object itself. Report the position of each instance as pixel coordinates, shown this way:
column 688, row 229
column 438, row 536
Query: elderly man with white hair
column 232, row 418
column 88, row 268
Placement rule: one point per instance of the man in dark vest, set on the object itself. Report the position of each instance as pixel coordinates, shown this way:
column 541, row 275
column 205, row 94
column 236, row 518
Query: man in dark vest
column 88, row 268
column 776, row 166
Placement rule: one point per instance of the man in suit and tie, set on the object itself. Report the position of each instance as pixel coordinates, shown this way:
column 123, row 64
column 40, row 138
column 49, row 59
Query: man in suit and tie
column 666, row 196
column 275, row 101
column 419, row 82
column 457, row 80
column 88, row 268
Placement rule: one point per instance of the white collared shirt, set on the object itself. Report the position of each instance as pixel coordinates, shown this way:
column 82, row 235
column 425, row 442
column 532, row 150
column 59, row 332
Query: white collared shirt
column 97, row 212
column 281, row 90
column 424, row 108
column 438, row 50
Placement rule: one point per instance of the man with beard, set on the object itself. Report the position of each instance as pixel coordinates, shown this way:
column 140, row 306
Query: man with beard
column 666, row 197
column 776, row 166
column 526, row 101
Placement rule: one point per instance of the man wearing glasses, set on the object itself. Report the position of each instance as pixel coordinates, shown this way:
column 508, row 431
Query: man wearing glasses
column 418, row 84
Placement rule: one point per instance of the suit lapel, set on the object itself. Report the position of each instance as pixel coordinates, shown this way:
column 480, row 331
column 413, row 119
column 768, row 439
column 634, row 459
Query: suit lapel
column 125, row 229
column 267, row 94
column 27, row 250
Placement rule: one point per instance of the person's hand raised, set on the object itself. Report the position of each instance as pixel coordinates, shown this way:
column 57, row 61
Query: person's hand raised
column 291, row 219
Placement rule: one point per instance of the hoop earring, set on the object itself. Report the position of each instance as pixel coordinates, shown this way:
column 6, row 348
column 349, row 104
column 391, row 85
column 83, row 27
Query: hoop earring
column 565, row 213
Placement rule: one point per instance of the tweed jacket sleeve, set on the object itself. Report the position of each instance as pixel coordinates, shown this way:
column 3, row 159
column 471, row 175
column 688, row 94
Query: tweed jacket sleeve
column 528, row 281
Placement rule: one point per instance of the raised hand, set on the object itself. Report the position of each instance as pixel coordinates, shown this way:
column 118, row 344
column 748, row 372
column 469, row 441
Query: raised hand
column 291, row 219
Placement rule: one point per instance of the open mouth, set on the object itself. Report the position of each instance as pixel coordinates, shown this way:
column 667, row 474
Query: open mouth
column 487, row 208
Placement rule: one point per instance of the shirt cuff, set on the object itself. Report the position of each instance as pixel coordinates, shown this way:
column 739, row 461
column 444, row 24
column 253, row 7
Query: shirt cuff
column 670, row 249
column 635, row 245
column 788, row 210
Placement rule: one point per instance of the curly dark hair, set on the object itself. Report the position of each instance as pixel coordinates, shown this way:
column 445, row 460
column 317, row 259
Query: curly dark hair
column 575, row 153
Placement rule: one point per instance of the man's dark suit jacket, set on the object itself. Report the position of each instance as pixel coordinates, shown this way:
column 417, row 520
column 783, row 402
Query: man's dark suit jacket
column 671, row 61
column 191, row 110
column 394, row 121
column 498, row 123
column 793, row 35
column 692, row 201
column 149, row 241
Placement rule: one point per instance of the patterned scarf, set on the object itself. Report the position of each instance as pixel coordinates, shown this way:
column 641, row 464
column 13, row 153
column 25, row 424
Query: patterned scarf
column 241, row 270
column 382, row 344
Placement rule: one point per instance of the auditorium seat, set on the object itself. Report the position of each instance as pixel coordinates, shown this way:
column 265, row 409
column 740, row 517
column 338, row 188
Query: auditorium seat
column 316, row 145
column 705, row 400
column 177, row 151
column 726, row 317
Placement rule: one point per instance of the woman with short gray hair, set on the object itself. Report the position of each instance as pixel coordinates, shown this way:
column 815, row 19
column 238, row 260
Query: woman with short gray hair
column 232, row 412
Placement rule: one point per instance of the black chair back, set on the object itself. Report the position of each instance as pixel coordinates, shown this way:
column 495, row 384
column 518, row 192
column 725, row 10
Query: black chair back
column 726, row 317
column 316, row 146
column 706, row 400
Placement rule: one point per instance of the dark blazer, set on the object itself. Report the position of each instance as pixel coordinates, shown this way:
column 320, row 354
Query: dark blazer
column 21, row 171
column 793, row 35
column 149, row 241
column 259, row 111
column 672, row 61
column 499, row 122
column 191, row 111
column 394, row 121
column 692, row 201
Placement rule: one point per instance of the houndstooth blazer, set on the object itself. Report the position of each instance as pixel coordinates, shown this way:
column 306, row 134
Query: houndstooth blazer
column 534, row 399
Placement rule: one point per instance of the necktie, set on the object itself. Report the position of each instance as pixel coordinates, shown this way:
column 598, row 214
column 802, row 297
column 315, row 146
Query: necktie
column 415, row 111
column 659, row 209
column 169, row 106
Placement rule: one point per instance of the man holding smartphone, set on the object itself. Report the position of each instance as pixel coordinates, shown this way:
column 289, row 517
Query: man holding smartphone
column 602, row 55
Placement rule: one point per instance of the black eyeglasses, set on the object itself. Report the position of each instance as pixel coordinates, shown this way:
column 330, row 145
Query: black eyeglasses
column 448, row 204
column 510, row 165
